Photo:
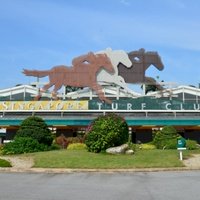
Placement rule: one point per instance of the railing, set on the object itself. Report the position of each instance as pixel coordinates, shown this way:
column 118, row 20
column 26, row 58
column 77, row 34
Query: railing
column 93, row 113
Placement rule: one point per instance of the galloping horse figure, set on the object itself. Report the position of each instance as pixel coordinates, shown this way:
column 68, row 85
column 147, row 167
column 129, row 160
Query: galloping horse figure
column 83, row 73
column 116, row 57
column 141, row 60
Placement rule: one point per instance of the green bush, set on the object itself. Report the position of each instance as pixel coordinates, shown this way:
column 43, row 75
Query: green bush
column 23, row 145
column 71, row 140
column 191, row 144
column 106, row 131
column 76, row 146
column 54, row 147
column 4, row 163
column 148, row 146
column 36, row 128
column 165, row 138
column 63, row 141
column 134, row 147
column 1, row 148
column 171, row 144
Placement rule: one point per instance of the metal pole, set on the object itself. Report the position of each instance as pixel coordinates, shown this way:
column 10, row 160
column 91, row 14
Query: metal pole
column 181, row 155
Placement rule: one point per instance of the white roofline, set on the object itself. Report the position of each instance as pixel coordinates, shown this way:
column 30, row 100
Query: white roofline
column 177, row 90
column 18, row 89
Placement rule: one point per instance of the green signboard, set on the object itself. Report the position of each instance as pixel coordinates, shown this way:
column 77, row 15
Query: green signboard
column 144, row 103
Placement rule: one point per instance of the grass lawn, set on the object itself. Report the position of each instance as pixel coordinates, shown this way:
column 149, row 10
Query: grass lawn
column 87, row 160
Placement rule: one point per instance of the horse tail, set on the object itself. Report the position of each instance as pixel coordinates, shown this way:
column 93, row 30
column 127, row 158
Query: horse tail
column 36, row 73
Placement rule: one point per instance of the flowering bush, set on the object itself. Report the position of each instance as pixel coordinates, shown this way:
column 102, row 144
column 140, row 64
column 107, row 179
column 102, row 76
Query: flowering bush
column 106, row 131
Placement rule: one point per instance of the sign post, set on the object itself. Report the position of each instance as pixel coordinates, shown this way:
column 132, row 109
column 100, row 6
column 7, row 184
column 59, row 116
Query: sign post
column 181, row 145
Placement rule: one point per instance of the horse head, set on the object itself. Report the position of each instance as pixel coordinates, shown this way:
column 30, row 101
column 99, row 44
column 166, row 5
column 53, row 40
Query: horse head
column 117, row 57
column 145, row 59
column 123, row 58
column 154, row 59
column 104, row 61
column 141, row 60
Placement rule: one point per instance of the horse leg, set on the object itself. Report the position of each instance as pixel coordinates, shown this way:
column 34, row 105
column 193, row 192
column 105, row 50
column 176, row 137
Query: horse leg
column 54, row 92
column 120, row 82
column 44, row 89
column 98, row 89
column 121, row 79
column 37, row 98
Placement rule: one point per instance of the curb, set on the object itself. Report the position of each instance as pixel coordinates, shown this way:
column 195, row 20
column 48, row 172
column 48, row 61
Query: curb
column 68, row 171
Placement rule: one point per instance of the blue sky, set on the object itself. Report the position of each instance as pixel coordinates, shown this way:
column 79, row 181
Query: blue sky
column 39, row 34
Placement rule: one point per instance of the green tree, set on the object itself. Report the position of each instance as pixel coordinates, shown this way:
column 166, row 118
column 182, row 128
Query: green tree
column 35, row 128
column 106, row 131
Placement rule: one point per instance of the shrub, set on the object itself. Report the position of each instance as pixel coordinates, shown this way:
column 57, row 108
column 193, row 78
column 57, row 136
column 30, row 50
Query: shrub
column 36, row 128
column 148, row 146
column 54, row 147
column 165, row 137
column 62, row 141
column 106, row 131
column 4, row 163
column 23, row 145
column 191, row 144
column 76, row 146
column 134, row 147
column 171, row 144
column 1, row 148
column 74, row 140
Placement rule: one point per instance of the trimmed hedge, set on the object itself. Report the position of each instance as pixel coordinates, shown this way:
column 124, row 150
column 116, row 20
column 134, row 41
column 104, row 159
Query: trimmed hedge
column 32, row 136
column 23, row 145
column 36, row 128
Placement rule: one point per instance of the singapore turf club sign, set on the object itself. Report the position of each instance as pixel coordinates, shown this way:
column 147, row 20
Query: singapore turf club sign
column 128, row 104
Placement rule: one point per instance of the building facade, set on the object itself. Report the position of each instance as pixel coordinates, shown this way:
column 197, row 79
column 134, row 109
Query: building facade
column 179, row 107
column 100, row 81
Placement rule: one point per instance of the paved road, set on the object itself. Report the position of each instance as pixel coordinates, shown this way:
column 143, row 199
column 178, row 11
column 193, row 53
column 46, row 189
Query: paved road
column 101, row 186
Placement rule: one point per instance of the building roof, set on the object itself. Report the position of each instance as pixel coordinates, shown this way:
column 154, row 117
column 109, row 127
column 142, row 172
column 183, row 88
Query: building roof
column 173, row 92
column 28, row 92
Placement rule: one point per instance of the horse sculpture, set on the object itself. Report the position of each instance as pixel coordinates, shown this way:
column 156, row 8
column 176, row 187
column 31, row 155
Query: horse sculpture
column 83, row 73
column 116, row 57
column 141, row 61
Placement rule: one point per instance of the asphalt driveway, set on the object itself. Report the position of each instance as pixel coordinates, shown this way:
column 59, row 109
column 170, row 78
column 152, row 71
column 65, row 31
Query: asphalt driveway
column 166, row 185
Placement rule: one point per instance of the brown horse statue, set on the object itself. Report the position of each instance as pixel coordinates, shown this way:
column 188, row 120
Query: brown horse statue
column 83, row 73
column 141, row 61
